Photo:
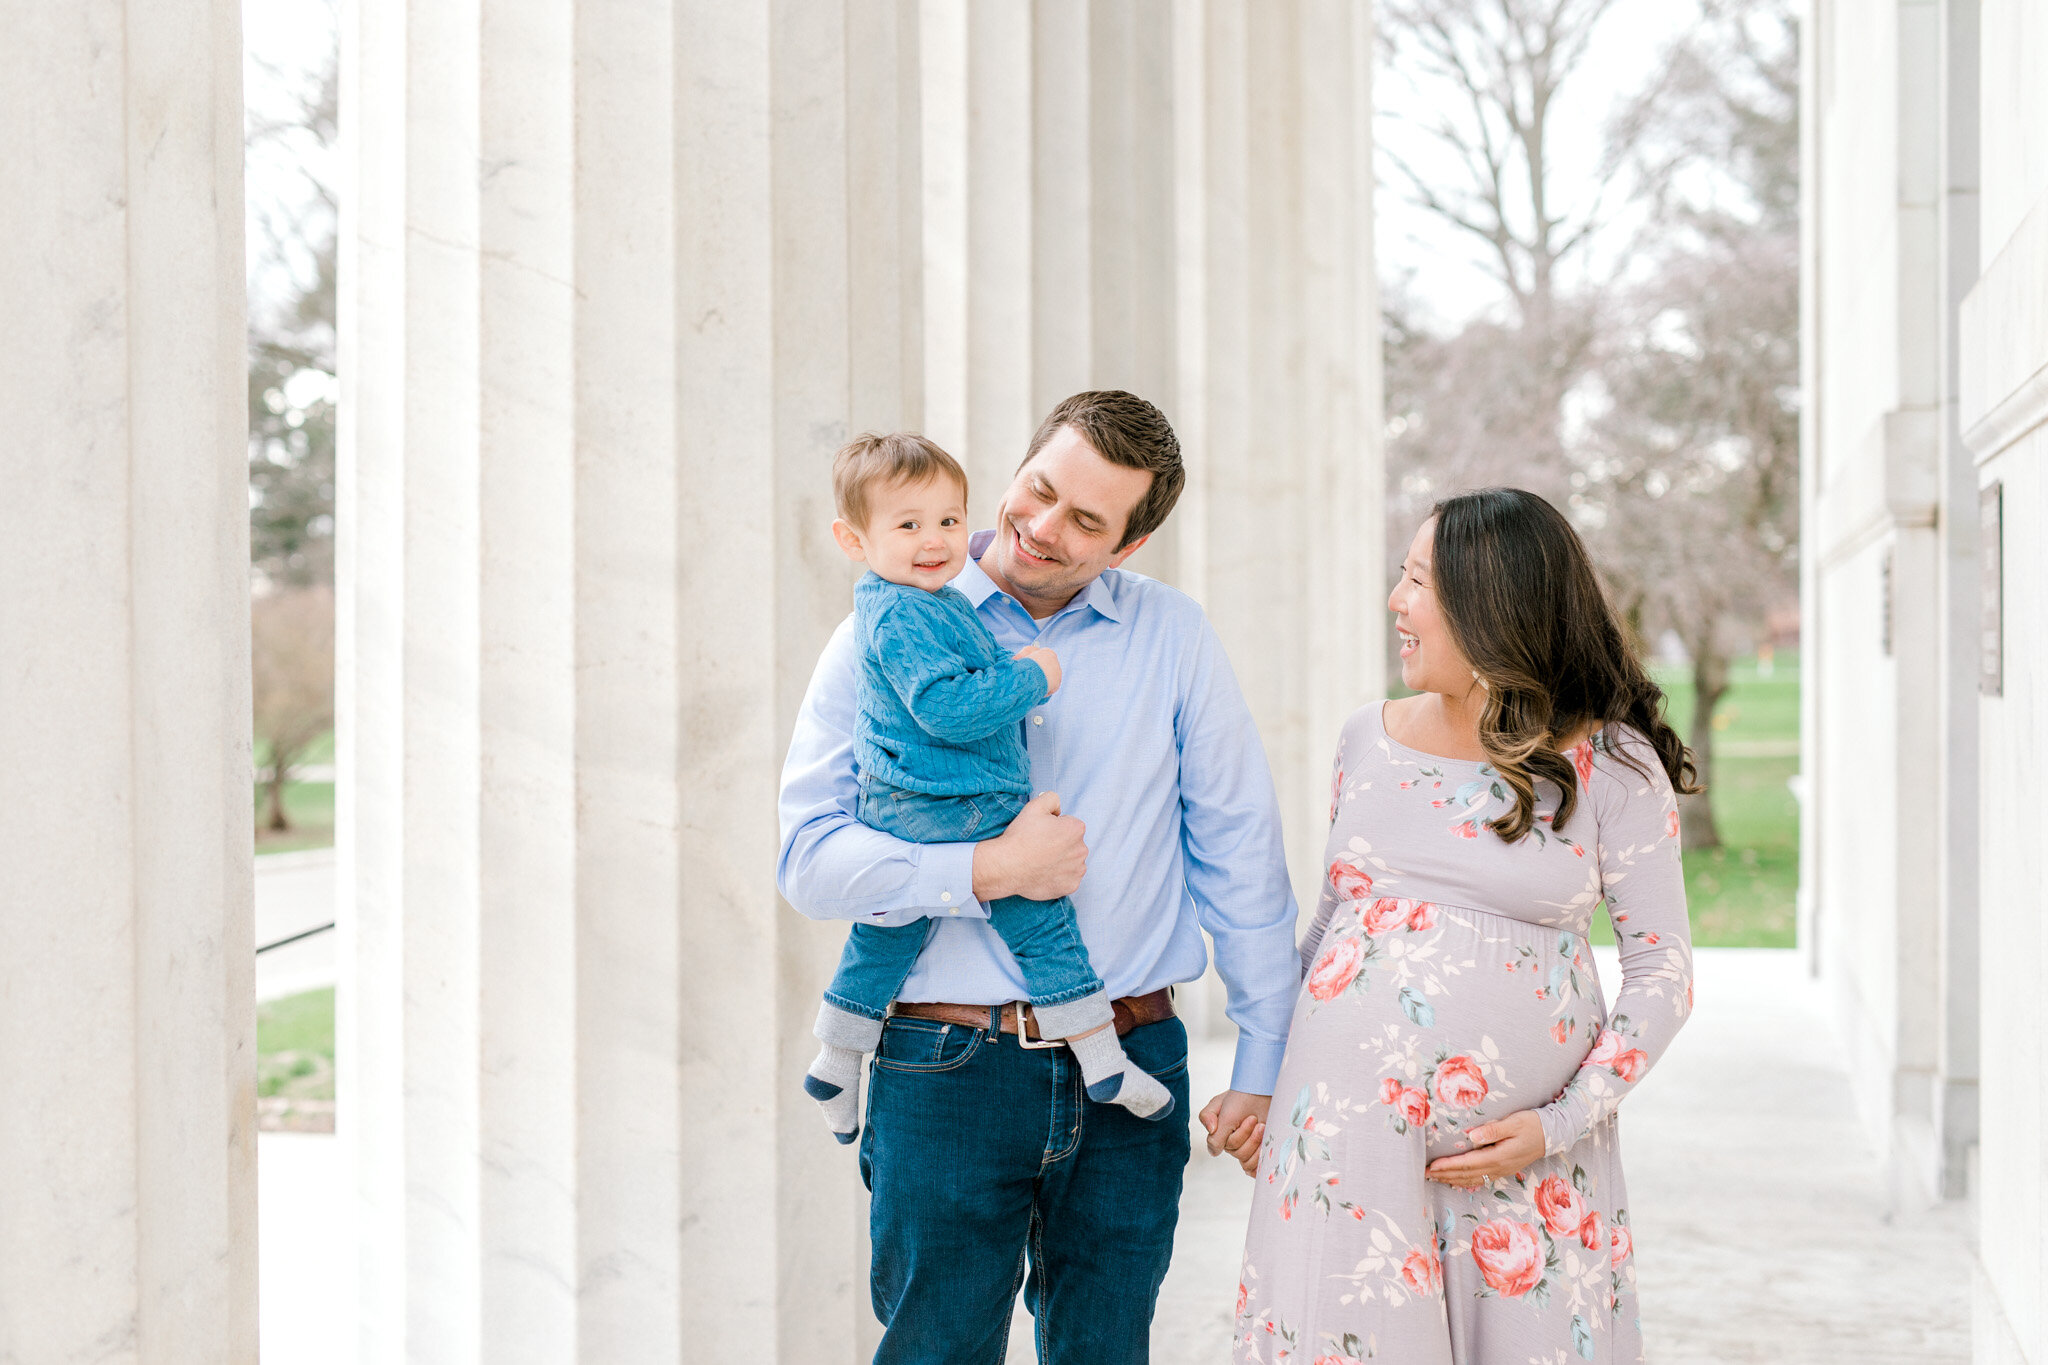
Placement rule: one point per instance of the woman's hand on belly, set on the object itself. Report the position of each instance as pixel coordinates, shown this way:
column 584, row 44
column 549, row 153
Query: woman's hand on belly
column 1499, row 1150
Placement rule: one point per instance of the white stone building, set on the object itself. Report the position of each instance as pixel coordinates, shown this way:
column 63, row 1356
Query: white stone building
column 1926, row 379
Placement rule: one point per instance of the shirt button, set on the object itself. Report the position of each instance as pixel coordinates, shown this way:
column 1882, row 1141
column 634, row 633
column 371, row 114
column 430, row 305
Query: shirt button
column 954, row 911
column 1038, row 720
column 945, row 895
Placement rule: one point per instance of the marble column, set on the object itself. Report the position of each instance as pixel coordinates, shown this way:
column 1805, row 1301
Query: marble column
column 127, row 1021
column 1279, row 374
column 619, row 280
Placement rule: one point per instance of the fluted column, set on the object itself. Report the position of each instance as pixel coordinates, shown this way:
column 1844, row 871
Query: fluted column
column 127, row 1021
column 1279, row 372
column 620, row 279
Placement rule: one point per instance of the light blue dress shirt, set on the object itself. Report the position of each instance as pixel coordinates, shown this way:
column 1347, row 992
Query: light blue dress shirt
column 1150, row 743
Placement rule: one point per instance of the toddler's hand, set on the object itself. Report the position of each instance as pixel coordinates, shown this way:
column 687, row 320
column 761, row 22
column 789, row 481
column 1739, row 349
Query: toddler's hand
column 1046, row 660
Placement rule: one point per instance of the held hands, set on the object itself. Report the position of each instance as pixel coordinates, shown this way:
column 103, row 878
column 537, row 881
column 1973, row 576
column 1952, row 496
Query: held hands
column 1499, row 1150
column 1237, row 1126
column 1046, row 660
column 1041, row 855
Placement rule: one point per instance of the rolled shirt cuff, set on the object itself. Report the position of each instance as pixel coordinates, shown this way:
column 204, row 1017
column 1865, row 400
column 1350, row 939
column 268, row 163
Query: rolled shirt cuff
column 945, row 882
column 1257, row 1067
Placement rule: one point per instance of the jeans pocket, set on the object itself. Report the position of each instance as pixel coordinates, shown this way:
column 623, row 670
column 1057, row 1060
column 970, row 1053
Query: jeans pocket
column 926, row 819
column 1161, row 1048
column 923, row 1045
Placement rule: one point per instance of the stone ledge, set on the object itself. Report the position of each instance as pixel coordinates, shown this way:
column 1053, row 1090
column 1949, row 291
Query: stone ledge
column 2004, row 332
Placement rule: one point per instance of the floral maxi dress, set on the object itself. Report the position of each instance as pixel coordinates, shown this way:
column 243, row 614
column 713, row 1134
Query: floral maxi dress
column 1448, row 983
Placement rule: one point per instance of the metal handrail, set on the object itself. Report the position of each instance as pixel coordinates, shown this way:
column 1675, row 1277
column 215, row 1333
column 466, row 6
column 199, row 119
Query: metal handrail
column 294, row 938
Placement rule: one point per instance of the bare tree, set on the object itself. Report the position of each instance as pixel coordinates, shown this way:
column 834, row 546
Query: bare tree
column 1495, row 69
column 292, row 672
column 1486, row 402
column 1699, row 443
column 292, row 337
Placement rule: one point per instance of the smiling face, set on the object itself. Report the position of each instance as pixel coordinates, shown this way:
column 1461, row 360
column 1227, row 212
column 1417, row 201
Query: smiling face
column 916, row 533
column 1430, row 659
column 1061, row 522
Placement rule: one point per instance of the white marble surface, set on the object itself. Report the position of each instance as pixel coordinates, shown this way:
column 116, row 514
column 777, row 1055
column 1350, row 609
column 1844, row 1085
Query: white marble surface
column 127, row 1212
column 302, row 1218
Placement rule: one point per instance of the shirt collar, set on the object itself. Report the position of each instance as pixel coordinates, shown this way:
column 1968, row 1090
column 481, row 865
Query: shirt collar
column 978, row 587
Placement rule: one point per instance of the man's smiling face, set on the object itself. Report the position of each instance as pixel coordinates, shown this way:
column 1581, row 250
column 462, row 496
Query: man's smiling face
column 1061, row 522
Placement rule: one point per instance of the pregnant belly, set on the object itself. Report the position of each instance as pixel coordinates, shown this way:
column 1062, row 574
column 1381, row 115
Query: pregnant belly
column 1444, row 1017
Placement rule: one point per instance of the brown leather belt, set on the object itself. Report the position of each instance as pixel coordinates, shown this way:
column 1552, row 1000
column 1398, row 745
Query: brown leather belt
column 1132, row 1011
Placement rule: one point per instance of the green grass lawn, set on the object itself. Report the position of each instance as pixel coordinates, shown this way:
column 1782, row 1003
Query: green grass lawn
column 295, row 1061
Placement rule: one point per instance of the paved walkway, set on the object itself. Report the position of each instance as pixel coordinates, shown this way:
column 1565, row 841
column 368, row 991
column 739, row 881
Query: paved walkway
column 1761, row 1232
column 1760, row 1227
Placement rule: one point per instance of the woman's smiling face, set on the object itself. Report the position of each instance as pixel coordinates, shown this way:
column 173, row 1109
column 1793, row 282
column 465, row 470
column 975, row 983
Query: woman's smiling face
column 1430, row 660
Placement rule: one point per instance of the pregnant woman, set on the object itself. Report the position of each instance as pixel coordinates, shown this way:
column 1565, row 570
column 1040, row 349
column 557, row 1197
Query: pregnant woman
column 1440, row 1180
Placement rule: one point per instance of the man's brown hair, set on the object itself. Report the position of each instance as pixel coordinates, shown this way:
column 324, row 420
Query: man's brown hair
column 871, row 459
column 1125, row 430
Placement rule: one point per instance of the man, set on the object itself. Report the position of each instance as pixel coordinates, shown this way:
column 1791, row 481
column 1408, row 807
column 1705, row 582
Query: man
column 980, row 1149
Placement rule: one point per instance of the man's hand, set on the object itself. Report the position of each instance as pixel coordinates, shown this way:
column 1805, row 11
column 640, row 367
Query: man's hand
column 1237, row 1125
column 1041, row 855
column 1046, row 660
column 1499, row 1150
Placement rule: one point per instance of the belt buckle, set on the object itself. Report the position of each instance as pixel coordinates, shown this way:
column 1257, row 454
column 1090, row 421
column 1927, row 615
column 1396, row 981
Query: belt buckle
column 1024, row 1039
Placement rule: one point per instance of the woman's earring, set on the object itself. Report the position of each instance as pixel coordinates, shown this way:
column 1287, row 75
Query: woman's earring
column 1481, row 681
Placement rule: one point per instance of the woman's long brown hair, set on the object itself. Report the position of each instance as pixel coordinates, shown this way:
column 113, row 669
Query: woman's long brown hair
column 1519, row 593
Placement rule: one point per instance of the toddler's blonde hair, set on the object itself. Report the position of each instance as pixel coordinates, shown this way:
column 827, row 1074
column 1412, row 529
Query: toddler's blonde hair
column 872, row 459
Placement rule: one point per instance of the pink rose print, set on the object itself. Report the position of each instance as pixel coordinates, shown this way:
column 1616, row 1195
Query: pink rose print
column 1650, row 939
column 1508, row 1257
column 1335, row 968
column 1605, row 1048
column 1423, row 916
column 1242, row 1297
column 1671, row 824
column 1390, row 1091
column 1336, row 790
column 1582, row 759
column 1465, row 829
column 1561, row 1206
column 1349, row 881
column 1422, row 1272
column 1591, row 1234
column 1558, row 1032
column 1384, row 916
column 1624, row 1245
column 1414, row 1106
column 1630, row 1064
column 1458, row 1083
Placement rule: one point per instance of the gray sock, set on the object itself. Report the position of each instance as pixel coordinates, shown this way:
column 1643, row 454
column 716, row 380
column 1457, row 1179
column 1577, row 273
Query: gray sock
column 834, row 1078
column 1113, row 1078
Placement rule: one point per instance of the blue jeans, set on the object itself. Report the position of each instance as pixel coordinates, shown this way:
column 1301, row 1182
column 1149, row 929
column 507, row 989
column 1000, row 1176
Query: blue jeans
column 1041, row 935
column 983, row 1159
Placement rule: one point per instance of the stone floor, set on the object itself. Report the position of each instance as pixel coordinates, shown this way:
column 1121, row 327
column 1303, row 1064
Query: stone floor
column 1761, row 1231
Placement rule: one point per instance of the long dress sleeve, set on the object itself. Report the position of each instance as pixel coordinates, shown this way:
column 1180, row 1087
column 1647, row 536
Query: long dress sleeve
column 1326, row 903
column 1643, row 883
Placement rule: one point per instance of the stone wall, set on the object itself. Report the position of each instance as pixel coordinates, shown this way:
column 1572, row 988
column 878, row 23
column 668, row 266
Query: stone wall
column 1927, row 361
column 2003, row 326
column 127, row 963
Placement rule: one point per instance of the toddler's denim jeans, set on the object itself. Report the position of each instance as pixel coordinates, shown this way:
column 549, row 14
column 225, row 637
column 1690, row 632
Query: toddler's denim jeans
column 1041, row 934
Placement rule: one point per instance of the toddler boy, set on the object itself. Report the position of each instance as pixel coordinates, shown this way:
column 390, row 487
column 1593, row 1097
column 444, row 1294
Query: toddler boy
column 941, row 758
